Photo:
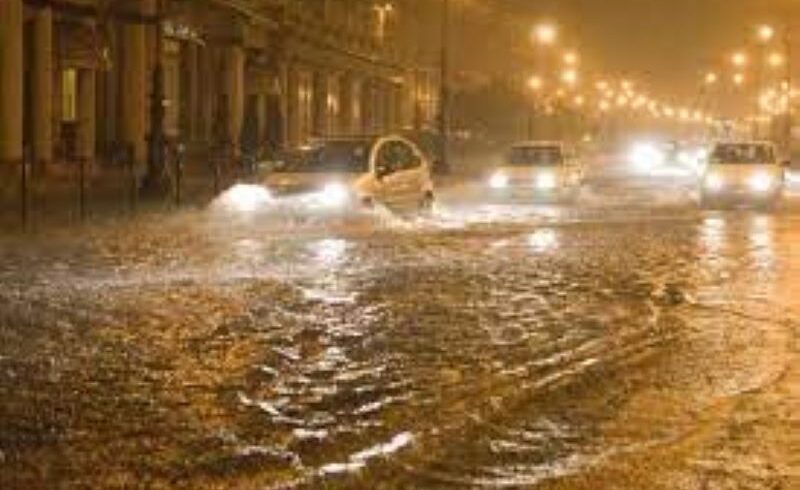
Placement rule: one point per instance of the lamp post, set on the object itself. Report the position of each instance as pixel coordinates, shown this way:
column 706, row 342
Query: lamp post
column 535, row 84
column 787, row 130
column 156, row 181
column 444, row 89
column 543, row 35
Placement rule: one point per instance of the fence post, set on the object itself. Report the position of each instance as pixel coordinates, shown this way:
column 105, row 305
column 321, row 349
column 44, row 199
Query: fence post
column 133, row 191
column 216, row 175
column 24, row 189
column 82, row 188
column 179, row 151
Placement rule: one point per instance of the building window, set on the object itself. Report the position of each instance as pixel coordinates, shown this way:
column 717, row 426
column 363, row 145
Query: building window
column 69, row 95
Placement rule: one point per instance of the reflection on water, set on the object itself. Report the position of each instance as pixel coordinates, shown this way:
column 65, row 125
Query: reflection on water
column 329, row 251
column 762, row 241
column 403, row 357
column 544, row 240
column 713, row 234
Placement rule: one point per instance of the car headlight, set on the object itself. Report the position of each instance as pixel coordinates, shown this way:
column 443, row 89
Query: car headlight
column 714, row 182
column 546, row 181
column 498, row 181
column 646, row 157
column 246, row 198
column 334, row 194
column 762, row 182
column 685, row 158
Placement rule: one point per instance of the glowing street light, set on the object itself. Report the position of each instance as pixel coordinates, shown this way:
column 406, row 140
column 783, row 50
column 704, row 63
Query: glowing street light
column 775, row 60
column 739, row 59
column 571, row 58
column 627, row 85
column 570, row 77
column 738, row 79
column 711, row 78
column 579, row 100
column 535, row 83
column 545, row 33
column 765, row 33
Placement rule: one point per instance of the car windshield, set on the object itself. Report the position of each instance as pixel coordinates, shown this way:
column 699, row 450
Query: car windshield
column 330, row 157
column 535, row 156
column 742, row 153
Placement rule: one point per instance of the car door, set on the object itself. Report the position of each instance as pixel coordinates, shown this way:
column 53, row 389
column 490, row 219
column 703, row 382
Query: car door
column 400, row 171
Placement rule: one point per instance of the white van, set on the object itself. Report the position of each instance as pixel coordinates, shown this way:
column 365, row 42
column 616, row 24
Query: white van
column 537, row 169
column 744, row 172
column 340, row 172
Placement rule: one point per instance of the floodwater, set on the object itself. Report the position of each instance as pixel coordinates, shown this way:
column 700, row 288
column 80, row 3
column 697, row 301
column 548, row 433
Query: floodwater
column 629, row 340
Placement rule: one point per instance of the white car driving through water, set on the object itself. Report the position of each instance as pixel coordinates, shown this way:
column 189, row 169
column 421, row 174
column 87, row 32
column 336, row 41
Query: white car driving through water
column 743, row 172
column 341, row 172
column 538, row 169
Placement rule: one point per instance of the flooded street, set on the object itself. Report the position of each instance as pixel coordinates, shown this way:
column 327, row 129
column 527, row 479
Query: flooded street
column 630, row 340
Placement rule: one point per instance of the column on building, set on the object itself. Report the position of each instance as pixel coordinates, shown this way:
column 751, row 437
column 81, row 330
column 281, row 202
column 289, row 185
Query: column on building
column 107, row 97
column 234, row 91
column 390, row 103
column 320, row 98
column 87, row 127
column 346, row 93
column 292, row 95
column 190, row 91
column 379, row 106
column 42, row 86
column 407, row 102
column 207, row 97
column 333, row 105
column 134, row 83
column 367, row 106
column 11, row 80
column 357, row 109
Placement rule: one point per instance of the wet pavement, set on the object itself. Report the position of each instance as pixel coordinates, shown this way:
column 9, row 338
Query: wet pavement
column 628, row 340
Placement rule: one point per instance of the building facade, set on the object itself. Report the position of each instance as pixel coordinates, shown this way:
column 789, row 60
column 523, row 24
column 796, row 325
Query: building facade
column 76, row 76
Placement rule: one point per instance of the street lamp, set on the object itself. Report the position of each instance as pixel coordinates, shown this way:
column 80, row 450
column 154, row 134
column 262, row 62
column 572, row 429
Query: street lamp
column 545, row 33
column 570, row 58
column 711, row 78
column 775, row 60
column 535, row 83
column 738, row 79
column 739, row 59
column 156, row 181
column 765, row 33
column 626, row 85
column 444, row 89
column 569, row 77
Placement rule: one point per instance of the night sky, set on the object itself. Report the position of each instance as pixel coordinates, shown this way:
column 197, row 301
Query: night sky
column 669, row 43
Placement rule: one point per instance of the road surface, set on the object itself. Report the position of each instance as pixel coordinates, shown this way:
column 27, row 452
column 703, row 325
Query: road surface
column 628, row 340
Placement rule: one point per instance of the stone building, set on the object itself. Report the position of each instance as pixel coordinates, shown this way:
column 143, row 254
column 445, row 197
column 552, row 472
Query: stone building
column 76, row 75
